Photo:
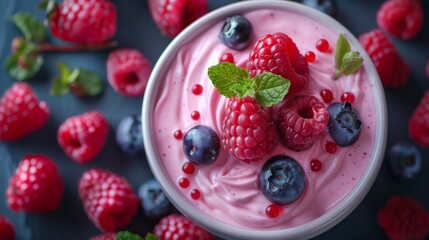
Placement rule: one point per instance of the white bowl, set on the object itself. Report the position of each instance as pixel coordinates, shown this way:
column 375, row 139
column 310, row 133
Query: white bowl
column 315, row 227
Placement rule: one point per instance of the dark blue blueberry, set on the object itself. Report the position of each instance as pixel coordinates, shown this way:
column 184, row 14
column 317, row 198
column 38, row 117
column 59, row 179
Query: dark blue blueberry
column 404, row 160
column 201, row 145
column 236, row 32
column 154, row 202
column 327, row 6
column 129, row 136
column 344, row 123
column 282, row 179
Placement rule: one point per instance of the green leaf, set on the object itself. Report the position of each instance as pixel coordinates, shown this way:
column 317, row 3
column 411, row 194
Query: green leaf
column 32, row 29
column 24, row 63
column 351, row 63
column 61, row 83
column 230, row 80
column 90, row 82
column 270, row 89
column 125, row 235
column 341, row 49
column 151, row 236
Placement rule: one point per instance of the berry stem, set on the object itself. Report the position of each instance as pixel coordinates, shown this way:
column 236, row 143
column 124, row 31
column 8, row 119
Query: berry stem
column 47, row 47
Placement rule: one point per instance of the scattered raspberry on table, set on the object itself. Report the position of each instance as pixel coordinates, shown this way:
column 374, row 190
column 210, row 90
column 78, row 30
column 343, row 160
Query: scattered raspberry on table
column 7, row 231
column 176, row 226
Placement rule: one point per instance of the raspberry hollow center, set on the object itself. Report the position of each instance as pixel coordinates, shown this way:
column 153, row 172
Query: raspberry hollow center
column 306, row 113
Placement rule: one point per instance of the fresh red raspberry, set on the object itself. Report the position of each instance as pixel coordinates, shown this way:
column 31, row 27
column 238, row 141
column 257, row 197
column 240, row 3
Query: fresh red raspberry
column 108, row 199
column 128, row 72
column 172, row 16
column 21, row 113
column 418, row 125
column 176, row 226
column 106, row 236
column 302, row 120
column 36, row 185
column 393, row 70
column 82, row 137
column 404, row 218
column 278, row 54
column 7, row 231
column 84, row 21
column 401, row 18
column 248, row 134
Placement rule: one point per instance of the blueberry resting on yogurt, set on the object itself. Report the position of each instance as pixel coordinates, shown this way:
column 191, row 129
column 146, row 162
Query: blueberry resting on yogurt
column 154, row 202
column 344, row 123
column 236, row 32
column 327, row 6
column 129, row 136
column 404, row 161
column 201, row 145
column 282, row 180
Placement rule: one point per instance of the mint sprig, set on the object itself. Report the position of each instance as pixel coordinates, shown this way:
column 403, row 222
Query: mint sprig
column 346, row 61
column 125, row 235
column 267, row 88
column 32, row 29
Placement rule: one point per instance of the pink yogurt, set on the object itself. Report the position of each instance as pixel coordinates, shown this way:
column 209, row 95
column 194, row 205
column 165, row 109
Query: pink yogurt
column 229, row 188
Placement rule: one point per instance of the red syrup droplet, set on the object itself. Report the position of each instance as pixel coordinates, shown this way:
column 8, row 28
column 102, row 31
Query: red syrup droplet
column 310, row 56
column 178, row 134
column 327, row 95
column 197, row 89
column 322, row 45
column 188, row 168
column 272, row 211
column 184, row 182
column 195, row 194
column 195, row 115
column 227, row 57
column 316, row 165
column 331, row 147
column 348, row 96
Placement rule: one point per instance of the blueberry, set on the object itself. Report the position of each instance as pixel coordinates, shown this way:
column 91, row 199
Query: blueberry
column 129, row 135
column 201, row 145
column 282, row 179
column 236, row 32
column 404, row 161
column 327, row 6
column 154, row 202
column 344, row 123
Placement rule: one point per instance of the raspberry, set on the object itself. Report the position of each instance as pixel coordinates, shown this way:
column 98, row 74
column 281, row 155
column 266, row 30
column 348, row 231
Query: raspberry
column 404, row 218
column 248, row 134
column 84, row 21
column 36, row 185
column 401, row 18
column 106, row 236
column 108, row 199
column 278, row 54
column 82, row 137
column 21, row 113
column 128, row 72
column 302, row 120
column 176, row 226
column 393, row 70
column 418, row 125
column 172, row 16
column 7, row 232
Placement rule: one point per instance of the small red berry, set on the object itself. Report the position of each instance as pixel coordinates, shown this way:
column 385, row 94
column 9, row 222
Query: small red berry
column 331, row 147
column 197, row 89
column 178, row 134
column 184, row 182
column 322, row 45
column 272, row 211
column 7, row 231
column 227, row 57
column 327, row 95
column 195, row 115
column 310, row 56
column 188, row 168
column 195, row 194
column 348, row 96
column 316, row 165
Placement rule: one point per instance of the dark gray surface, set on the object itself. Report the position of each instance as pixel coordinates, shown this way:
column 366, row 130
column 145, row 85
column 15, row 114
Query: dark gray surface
column 136, row 29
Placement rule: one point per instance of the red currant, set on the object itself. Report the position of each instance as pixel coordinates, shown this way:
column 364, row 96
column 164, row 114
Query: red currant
column 178, row 134
column 197, row 89
column 195, row 115
column 310, row 56
column 195, row 194
column 227, row 57
column 315, row 165
column 184, row 182
column 326, row 95
column 322, row 45
column 272, row 211
column 188, row 168
column 331, row 147
column 348, row 96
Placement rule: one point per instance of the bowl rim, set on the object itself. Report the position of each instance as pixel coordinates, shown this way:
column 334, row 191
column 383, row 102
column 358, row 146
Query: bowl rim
column 315, row 227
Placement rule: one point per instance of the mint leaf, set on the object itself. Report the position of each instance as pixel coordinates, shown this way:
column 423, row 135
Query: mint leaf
column 90, row 82
column 62, row 82
column 32, row 29
column 341, row 48
column 151, row 236
column 270, row 89
column 351, row 62
column 24, row 63
column 125, row 235
column 230, row 80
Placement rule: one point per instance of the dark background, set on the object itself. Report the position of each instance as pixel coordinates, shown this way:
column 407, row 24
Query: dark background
column 137, row 30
